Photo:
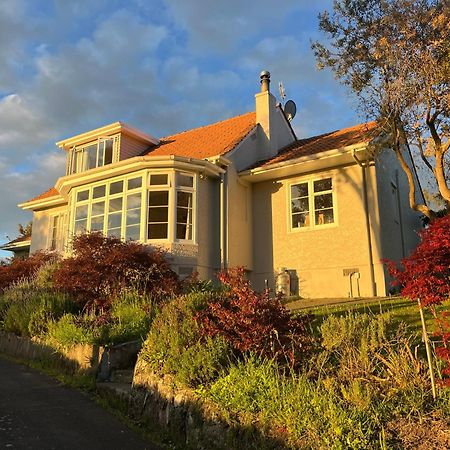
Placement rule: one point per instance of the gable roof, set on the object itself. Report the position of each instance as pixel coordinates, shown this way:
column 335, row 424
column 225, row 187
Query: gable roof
column 19, row 242
column 361, row 133
column 211, row 140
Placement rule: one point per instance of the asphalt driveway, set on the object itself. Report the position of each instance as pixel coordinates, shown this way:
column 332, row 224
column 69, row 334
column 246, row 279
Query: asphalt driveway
column 37, row 412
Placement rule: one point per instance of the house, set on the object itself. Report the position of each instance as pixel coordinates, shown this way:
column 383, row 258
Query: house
column 241, row 192
column 20, row 247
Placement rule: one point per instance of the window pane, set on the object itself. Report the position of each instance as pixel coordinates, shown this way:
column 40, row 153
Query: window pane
column 114, row 221
column 108, row 151
column 300, row 220
column 299, row 190
column 184, row 215
column 98, row 208
column 184, row 199
column 114, row 232
column 97, row 223
column 184, row 180
column 184, row 231
column 323, row 201
column 134, row 183
column 159, row 214
column 82, row 195
column 322, row 185
column 99, row 191
column 158, row 179
column 91, row 153
column 157, row 231
column 324, row 216
column 158, row 198
column 133, row 233
column 134, row 217
column 134, row 201
column 80, row 226
column 115, row 204
column 81, row 212
column 300, row 205
column 115, row 188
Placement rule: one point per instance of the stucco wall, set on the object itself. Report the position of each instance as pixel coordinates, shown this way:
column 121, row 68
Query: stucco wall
column 41, row 227
column 400, row 224
column 318, row 256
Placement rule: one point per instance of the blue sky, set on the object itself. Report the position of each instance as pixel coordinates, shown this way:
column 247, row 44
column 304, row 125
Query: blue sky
column 160, row 65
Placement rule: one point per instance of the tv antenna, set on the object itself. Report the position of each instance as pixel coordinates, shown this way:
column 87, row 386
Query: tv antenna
column 282, row 91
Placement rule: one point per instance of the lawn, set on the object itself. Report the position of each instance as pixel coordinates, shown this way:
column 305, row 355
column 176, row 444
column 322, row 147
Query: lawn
column 403, row 310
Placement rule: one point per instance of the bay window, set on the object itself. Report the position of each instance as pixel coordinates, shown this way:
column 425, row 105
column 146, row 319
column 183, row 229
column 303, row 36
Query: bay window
column 312, row 204
column 162, row 209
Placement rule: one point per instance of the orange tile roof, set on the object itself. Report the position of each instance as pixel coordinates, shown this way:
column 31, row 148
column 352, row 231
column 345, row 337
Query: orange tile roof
column 211, row 140
column 52, row 192
column 363, row 132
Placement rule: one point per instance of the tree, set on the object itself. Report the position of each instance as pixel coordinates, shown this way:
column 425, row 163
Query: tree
column 425, row 277
column 395, row 56
column 25, row 231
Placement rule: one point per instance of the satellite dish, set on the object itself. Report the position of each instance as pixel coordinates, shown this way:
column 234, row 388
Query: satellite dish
column 290, row 109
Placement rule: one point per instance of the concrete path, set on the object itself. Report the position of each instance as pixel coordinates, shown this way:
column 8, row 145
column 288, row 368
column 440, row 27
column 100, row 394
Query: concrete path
column 37, row 412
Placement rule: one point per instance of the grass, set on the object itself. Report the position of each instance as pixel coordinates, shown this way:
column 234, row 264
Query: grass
column 402, row 310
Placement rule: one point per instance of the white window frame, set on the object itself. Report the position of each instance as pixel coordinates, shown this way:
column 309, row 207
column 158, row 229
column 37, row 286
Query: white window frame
column 60, row 232
column 144, row 191
column 79, row 153
column 311, row 194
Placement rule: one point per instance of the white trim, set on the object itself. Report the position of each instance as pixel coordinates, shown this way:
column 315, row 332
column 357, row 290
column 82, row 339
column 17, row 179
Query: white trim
column 310, row 181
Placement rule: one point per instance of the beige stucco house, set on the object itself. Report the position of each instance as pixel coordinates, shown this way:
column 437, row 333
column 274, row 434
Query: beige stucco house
column 241, row 192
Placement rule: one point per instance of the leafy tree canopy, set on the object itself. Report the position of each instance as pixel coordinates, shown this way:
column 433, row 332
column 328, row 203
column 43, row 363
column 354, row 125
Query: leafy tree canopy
column 395, row 56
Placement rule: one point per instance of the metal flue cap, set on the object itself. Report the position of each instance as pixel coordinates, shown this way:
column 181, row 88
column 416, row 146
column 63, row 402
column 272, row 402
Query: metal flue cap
column 265, row 80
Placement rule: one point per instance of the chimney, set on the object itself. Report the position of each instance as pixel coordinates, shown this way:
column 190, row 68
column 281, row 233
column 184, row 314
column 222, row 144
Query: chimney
column 265, row 116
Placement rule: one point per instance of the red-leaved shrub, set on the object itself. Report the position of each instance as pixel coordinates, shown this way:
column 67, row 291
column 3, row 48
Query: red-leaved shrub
column 425, row 275
column 252, row 322
column 100, row 267
column 22, row 268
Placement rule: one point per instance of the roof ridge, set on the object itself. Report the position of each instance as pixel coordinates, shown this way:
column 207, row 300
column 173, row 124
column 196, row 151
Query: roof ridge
column 207, row 125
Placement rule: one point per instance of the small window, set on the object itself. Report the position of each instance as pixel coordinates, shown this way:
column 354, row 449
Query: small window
column 158, row 179
column 184, row 215
column 312, row 198
column 99, row 191
column 184, row 180
column 134, row 183
column 82, row 195
column 116, row 188
column 158, row 214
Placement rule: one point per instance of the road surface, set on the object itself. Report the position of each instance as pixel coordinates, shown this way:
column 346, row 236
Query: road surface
column 37, row 412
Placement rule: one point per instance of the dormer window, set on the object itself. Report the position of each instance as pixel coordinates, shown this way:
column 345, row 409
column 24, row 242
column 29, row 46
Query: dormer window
column 92, row 155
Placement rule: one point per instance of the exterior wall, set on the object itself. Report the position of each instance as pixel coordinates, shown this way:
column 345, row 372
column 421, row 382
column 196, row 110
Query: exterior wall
column 130, row 147
column 317, row 257
column 208, row 227
column 40, row 238
column 239, row 221
column 400, row 224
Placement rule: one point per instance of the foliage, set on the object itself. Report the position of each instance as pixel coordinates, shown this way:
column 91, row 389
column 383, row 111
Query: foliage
column 25, row 231
column 130, row 317
column 252, row 322
column 309, row 415
column 395, row 55
column 174, row 344
column 425, row 275
column 69, row 331
column 426, row 272
column 18, row 269
column 103, row 266
column 27, row 308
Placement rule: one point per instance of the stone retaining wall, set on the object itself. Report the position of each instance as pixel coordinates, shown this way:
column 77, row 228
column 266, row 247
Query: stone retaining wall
column 79, row 358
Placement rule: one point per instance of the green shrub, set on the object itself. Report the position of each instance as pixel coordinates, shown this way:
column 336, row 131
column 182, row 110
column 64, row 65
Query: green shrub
column 131, row 316
column 27, row 308
column 310, row 415
column 174, row 345
column 69, row 331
